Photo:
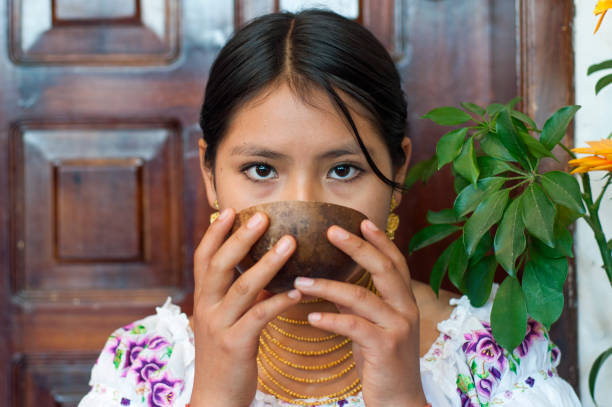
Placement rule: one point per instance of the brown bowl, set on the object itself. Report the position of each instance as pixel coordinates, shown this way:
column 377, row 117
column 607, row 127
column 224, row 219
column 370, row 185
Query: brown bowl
column 308, row 222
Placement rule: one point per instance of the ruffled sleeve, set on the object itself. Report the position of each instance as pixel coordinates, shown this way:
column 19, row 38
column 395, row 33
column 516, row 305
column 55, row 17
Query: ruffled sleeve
column 466, row 367
column 146, row 363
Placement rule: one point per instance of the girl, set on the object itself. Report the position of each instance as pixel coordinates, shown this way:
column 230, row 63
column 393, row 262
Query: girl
column 309, row 107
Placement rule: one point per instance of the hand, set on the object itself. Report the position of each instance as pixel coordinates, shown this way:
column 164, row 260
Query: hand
column 227, row 318
column 384, row 330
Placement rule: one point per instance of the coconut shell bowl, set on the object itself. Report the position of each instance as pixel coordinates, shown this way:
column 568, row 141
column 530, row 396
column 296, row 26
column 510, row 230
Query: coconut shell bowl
column 307, row 222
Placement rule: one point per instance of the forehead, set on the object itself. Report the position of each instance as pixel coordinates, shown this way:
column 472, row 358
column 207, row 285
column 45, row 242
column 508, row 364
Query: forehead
column 278, row 118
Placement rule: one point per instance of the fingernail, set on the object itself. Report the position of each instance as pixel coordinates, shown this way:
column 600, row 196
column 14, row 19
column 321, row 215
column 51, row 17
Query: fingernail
column 224, row 215
column 294, row 294
column 254, row 221
column 339, row 233
column 304, row 281
column 314, row 316
column 283, row 246
column 371, row 226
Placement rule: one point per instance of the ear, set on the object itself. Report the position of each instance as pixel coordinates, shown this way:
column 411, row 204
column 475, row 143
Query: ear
column 400, row 174
column 207, row 175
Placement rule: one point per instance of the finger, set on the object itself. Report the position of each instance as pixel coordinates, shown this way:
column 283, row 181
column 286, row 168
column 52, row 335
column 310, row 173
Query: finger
column 386, row 278
column 380, row 240
column 210, row 242
column 255, row 319
column 244, row 291
column 361, row 331
column 220, row 271
column 354, row 298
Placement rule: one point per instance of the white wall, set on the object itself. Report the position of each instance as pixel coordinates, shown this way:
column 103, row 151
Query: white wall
column 593, row 122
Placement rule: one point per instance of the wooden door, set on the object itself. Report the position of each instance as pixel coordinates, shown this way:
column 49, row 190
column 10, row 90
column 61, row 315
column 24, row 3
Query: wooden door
column 101, row 199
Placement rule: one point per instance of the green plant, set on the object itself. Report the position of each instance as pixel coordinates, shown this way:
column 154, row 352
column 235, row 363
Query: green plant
column 506, row 213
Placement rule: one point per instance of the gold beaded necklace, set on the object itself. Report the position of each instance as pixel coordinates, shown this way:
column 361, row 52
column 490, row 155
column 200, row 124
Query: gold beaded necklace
column 265, row 350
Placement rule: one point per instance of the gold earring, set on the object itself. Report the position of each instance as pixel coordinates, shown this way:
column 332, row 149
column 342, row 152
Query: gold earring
column 214, row 215
column 392, row 220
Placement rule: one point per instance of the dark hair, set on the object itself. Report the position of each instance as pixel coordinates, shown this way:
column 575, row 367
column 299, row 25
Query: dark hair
column 312, row 47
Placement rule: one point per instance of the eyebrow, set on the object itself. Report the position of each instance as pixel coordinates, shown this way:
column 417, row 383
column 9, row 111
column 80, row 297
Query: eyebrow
column 261, row 151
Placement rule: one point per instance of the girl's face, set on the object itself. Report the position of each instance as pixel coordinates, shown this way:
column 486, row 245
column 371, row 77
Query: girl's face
column 280, row 148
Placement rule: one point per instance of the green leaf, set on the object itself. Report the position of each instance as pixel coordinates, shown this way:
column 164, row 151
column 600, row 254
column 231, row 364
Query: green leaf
column 447, row 116
column 460, row 183
column 538, row 214
column 556, row 126
column 600, row 66
column 595, row 370
column 458, row 265
column 510, row 239
column 524, row 118
column 465, row 164
column 513, row 102
column 509, row 314
column 493, row 109
column 563, row 243
column 469, row 198
column 442, row 217
column 482, row 248
column 536, row 148
column 449, row 146
column 422, row 170
column 439, row 269
column 431, row 234
column 544, row 300
column 493, row 147
column 552, row 270
column 471, row 107
column 508, row 136
column 479, row 281
column 602, row 83
column 564, row 190
column 610, row 244
column 488, row 213
column 490, row 166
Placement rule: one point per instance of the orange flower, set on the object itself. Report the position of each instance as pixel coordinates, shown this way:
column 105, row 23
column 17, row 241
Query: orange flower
column 600, row 159
column 601, row 7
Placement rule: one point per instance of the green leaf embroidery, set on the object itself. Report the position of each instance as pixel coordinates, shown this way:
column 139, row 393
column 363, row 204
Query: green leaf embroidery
column 140, row 329
column 117, row 358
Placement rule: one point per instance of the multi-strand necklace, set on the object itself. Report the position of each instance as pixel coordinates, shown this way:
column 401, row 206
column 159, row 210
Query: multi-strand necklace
column 269, row 360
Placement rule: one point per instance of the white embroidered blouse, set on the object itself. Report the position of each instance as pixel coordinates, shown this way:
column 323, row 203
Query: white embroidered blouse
column 151, row 363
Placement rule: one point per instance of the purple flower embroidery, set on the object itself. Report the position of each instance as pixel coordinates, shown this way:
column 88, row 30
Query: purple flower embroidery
column 484, row 387
column 534, row 331
column 125, row 402
column 342, row 402
column 554, row 354
column 164, row 392
column 496, row 373
column 112, row 344
column 145, row 370
column 133, row 350
column 483, row 344
column 156, row 342
column 465, row 400
column 530, row 381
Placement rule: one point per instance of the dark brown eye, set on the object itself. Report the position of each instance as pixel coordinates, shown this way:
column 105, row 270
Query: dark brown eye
column 260, row 172
column 344, row 172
